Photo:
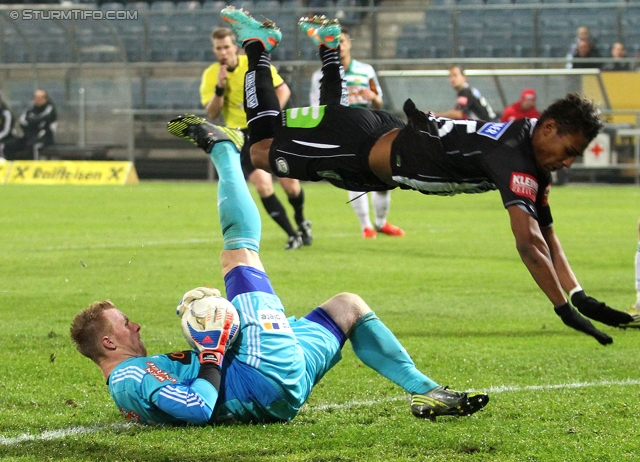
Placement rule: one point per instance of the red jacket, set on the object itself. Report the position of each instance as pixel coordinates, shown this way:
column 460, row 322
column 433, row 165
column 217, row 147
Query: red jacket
column 514, row 112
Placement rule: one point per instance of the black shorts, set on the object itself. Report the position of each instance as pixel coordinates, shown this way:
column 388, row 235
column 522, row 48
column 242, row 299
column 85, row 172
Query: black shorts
column 245, row 155
column 330, row 143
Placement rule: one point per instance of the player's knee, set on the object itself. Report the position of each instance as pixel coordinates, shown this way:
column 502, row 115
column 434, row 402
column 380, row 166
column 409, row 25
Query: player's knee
column 259, row 153
column 263, row 182
column 346, row 308
column 291, row 186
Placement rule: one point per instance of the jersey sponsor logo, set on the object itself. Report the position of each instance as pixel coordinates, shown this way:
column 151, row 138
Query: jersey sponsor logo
column 493, row 130
column 462, row 100
column 282, row 166
column 273, row 320
column 158, row 373
column 129, row 415
column 524, row 185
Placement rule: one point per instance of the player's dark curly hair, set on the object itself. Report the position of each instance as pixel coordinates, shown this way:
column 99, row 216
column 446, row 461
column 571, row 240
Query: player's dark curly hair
column 574, row 114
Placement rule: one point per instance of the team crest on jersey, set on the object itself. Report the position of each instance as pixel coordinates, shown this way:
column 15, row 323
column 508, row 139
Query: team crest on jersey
column 282, row 166
column 493, row 130
column 524, row 185
column 462, row 100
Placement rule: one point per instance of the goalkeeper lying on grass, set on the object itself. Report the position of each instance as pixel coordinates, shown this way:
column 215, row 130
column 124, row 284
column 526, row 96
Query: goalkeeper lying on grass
column 265, row 371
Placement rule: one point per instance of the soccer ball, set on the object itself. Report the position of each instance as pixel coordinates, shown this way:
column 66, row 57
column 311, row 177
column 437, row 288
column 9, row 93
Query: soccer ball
column 204, row 318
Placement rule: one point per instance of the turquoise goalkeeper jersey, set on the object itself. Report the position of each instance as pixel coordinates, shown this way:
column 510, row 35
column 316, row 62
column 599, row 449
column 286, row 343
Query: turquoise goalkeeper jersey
column 267, row 374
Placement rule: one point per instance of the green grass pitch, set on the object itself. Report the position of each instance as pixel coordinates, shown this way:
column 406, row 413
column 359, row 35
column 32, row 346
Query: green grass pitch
column 453, row 290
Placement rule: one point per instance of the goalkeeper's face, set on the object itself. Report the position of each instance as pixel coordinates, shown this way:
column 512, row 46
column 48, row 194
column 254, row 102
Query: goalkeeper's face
column 125, row 335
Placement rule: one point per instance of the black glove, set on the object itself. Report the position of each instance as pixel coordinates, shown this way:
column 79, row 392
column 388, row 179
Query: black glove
column 598, row 311
column 573, row 319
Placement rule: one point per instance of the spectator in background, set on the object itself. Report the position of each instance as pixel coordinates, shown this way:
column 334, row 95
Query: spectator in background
column 618, row 52
column 6, row 125
column 582, row 33
column 526, row 107
column 585, row 49
column 222, row 93
column 363, row 90
column 38, row 125
column 470, row 104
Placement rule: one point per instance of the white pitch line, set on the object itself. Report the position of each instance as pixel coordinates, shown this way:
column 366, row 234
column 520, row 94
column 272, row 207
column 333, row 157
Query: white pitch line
column 208, row 240
column 491, row 390
column 63, row 433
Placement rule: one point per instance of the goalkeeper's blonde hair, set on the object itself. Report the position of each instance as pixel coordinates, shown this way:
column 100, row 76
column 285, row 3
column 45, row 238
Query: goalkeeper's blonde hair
column 88, row 327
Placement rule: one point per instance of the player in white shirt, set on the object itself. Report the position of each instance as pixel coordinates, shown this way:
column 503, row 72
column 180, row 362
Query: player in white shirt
column 363, row 90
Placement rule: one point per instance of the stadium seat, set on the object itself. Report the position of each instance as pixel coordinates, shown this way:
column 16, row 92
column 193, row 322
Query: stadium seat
column 163, row 5
column 141, row 7
column 112, row 6
column 214, row 5
column 191, row 5
column 470, row 21
column 442, row 2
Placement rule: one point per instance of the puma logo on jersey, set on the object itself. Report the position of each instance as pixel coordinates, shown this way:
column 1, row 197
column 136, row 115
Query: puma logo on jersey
column 524, row 185
column 493, row 130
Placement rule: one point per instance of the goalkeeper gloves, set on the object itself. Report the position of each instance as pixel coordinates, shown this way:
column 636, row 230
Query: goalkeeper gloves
column 212, row 342
column 573, row 319
column 598, row 311
column 209, row 334
column 195, row 294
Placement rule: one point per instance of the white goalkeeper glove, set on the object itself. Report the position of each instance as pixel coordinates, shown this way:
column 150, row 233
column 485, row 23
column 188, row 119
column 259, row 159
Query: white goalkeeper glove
column 195, row 294
column 207, row 326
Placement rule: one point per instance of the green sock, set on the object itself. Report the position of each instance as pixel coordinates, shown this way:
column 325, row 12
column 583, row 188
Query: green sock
column 378, row 348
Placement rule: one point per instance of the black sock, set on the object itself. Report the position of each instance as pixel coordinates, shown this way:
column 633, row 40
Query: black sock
column 333, row 87
column 260, row 101
column 276, row 210
column 298, row 207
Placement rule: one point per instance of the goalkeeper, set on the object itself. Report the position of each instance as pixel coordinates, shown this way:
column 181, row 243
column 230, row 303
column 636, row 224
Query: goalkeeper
column 268, row 372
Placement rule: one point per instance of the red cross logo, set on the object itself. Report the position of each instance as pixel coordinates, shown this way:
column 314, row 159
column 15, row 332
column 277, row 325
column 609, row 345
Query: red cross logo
column 597, row 149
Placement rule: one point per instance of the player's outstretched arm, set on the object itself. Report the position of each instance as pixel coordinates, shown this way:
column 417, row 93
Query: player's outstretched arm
column 588, row 306
column 536, row 255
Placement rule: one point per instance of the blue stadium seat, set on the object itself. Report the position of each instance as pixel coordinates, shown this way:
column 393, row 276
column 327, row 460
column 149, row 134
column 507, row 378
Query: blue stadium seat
column 190, row 5
column 187, row 22
column 141, row 7
column 160, row 23
column 470, row 21
column 214, row 5
column 112, row 6
column 245, row 4
column 163, row 5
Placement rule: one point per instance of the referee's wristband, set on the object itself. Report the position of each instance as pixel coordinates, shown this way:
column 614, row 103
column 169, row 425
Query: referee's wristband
column 219, row 91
